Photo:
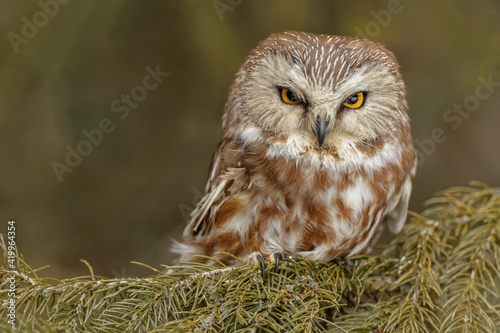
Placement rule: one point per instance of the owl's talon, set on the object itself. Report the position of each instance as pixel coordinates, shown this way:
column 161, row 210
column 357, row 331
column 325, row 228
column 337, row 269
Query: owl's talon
column 256, row 258
column 338, row 263
column 262, row 265
column 348, row 262
column 278, row 256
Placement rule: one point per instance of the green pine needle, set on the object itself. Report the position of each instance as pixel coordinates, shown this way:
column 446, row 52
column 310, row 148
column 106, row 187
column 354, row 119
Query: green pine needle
column 440, row 274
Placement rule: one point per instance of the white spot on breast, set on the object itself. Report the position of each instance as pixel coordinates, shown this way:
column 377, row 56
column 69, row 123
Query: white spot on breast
column 358, row 196
column 273, row 238
column 240, row 223
column 251, row 134
column 362, row 245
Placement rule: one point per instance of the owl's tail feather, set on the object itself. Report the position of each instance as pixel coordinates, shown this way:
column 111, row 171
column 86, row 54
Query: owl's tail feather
column 186, row 251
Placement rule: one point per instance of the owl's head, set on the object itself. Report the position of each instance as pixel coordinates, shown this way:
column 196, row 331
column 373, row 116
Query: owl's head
column 321, row 93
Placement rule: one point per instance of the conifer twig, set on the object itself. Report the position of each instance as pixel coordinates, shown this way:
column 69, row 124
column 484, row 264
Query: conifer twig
column 440, row 274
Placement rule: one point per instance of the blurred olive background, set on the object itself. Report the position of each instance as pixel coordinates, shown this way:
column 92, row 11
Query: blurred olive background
column 127, row 199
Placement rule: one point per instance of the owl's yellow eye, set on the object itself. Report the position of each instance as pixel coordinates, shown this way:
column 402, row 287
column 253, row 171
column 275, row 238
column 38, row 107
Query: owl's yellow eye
column 289, row 96
column 355, row 101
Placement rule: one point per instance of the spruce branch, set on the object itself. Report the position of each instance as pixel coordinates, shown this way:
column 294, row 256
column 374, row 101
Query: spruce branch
column 419, row 258
column 440, row 274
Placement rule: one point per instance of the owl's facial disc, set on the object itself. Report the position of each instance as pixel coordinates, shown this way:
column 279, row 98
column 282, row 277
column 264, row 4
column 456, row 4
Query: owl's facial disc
column 322, row 101
column 321, row 126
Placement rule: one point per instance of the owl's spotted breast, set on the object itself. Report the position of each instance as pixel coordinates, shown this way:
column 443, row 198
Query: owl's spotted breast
column 315, row 153
column 297, row 209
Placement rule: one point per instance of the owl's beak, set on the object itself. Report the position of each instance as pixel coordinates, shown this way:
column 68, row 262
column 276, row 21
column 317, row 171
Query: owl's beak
column 321, row 129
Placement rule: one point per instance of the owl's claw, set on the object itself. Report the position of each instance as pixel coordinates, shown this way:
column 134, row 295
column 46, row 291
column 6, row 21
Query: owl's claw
column 278, row 256
column 337, row 262
column 262, row 265
column 256, row 258
column 346, row 260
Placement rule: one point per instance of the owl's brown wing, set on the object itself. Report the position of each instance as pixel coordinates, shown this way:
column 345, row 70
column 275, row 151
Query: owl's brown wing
column 397, row 214
column 226, row 179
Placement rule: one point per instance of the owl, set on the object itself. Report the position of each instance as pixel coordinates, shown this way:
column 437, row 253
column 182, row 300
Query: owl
column 316, row 154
